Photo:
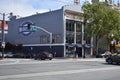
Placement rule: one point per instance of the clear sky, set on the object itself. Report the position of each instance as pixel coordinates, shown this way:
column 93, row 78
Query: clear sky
column 28, row 7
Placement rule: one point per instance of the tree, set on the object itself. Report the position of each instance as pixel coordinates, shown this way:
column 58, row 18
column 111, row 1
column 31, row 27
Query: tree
column 102, row 21
column 114, row 22
column 19, row 47
column 8, row 47
column 13, row 48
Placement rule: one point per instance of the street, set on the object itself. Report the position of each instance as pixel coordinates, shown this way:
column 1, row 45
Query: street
column 58, row 69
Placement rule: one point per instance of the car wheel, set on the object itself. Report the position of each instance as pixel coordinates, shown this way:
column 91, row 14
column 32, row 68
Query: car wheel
column 117, row 63
column 110, row 61
column 50, row 58
column 42, row 58
column 35, row 58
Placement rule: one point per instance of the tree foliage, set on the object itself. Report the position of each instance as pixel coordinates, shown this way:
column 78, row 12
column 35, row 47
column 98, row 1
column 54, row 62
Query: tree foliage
column 102, row 20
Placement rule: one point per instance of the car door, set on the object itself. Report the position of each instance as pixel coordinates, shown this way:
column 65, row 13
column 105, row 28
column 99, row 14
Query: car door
column 116, row 58
column 119, row 58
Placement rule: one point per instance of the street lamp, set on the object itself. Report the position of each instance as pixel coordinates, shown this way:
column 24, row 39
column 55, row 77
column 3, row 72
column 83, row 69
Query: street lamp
column 3, row 34
column 50, row 33
column 112, row 44
column 34, row 28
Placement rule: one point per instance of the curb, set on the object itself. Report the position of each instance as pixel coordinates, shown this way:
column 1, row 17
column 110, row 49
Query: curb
column 81, row 59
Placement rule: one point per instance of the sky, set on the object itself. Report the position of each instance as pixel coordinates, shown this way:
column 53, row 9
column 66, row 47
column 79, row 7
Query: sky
column 24, row 8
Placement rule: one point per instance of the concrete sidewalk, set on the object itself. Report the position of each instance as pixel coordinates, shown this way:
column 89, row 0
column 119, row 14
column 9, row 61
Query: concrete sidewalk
column 22, row 60
column 92, row 59
column 82, row 59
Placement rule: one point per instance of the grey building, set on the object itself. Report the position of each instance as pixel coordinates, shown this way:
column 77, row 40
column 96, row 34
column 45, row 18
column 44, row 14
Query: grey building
column 60, row 32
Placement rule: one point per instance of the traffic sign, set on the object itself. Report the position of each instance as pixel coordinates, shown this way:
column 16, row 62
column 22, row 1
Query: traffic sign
column 3, row 44
column 35, row 28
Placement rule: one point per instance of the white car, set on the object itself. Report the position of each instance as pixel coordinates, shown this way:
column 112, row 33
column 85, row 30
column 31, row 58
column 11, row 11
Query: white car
column 1, row 54
column 106, row 54
column 8, row 54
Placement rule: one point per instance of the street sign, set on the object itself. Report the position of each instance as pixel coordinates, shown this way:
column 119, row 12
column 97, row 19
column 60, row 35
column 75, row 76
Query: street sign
column 5, row 27
column 35, row 28
column 3, row 44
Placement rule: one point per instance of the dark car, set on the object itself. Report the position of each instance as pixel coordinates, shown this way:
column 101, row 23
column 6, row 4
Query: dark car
column 44, row 55
column 115, row 58
column 19, row 55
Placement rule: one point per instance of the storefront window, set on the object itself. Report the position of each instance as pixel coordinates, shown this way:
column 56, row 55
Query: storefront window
column 70, row 31
column 70, row 38
column 78, row 27
column 78, row 32
column 70, row 25
column 78, row 38
column 43, row 39
column 56, row 38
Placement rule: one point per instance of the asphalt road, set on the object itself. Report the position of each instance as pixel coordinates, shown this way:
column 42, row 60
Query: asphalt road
column 58, row 69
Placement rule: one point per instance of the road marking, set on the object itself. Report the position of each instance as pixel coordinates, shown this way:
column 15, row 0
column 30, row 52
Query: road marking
column 56, row 73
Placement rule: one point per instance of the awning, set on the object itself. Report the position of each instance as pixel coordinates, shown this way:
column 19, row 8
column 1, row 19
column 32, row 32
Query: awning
column 88, row 46
column 79, row 45
column 117, row 45
column 71, row 45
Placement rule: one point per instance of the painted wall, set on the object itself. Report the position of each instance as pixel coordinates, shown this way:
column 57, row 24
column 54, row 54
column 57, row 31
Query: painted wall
column 51, row 21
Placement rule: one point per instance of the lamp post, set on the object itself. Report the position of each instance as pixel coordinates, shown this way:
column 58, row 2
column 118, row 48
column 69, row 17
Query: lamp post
column 50, row 33
column 112, row 45
column 36, row 28
column 3, row 35
column 40, row 28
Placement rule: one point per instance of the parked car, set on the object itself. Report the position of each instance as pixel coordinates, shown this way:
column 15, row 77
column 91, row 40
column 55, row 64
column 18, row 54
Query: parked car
column 9, row 54
column 104, row 55
column 99, row 56
column 44, row 55
column 18, row 55
column 5, row 55
column 114, row 58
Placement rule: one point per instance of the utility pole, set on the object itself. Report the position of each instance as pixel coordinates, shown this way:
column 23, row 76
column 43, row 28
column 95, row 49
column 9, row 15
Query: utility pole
column 3, row 35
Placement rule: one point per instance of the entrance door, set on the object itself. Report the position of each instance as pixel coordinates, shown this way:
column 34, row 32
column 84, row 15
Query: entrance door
column 70, row 51
column 79, row 51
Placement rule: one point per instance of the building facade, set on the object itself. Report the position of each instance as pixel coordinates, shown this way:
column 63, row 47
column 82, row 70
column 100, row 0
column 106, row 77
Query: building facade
column 60, row 32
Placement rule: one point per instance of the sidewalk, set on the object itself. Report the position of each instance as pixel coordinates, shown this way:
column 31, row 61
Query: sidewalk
column 20, row 60
column 82, row 59
column 93, row 59
column 7, row 60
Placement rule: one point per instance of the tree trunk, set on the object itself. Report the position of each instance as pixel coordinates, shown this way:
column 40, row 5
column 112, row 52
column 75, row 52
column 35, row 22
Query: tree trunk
column 97, row 45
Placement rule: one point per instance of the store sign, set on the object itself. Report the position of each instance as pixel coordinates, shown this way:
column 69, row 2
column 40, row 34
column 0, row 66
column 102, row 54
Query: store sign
column 25, row 28
column 5, row 27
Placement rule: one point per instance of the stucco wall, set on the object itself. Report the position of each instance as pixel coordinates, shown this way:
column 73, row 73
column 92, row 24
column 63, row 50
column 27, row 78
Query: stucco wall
column 51, row 21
